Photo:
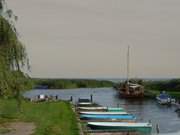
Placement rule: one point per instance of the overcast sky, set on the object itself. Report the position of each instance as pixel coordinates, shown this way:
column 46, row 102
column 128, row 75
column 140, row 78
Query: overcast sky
column 89, row 38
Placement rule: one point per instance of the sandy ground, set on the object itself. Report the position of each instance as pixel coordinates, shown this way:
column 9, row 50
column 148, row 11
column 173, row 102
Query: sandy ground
column 20, row 128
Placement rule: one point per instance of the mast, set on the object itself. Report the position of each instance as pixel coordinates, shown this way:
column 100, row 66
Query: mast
column 128, row 61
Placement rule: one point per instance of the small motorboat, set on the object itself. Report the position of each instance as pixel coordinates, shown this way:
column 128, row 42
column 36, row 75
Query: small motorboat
column 84, row 102
column 104, row 113
column 121, row 126
column 92, row 108
column 108, row 117
column 115, row 109
column 164, row 99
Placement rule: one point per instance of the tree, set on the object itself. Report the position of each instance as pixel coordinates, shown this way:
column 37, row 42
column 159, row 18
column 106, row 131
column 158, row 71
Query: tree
column 13, row 56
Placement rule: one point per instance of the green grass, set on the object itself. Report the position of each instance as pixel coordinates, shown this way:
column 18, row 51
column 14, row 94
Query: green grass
column 55, row 118
column 151, row 93
column 154, row 93
column 174, row 94
column 4, row 130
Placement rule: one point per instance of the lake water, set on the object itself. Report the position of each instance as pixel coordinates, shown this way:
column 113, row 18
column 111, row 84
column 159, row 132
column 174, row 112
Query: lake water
column 144, row 110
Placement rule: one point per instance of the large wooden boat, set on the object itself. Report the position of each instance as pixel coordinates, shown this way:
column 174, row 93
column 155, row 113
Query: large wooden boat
column 131, row 90
column 128, row 89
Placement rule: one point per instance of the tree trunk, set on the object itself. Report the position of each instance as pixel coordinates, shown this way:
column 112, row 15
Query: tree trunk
column 18, row 99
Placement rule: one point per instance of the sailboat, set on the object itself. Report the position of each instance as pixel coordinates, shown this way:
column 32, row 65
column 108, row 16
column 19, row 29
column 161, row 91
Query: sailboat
column 128, row 89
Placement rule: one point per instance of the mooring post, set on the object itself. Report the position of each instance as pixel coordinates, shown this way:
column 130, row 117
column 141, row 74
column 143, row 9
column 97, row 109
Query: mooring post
column 91, row 98
column 71, row 99
column 157, row 128
column 56, row 97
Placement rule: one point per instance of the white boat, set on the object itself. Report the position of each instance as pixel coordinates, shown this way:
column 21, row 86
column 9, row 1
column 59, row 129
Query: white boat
column 164, row 99
column 92, row 108
column 121, row 126
column 104, row 113
column 85, row 103
column 109, row 109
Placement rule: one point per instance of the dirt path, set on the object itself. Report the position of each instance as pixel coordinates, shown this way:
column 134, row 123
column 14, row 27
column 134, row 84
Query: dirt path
column 20, row 128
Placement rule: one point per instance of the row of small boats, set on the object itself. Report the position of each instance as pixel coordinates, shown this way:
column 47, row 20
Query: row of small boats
column 111, row 119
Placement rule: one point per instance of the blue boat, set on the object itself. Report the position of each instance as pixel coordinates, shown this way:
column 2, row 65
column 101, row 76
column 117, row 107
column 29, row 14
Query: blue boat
column 110, row 117
column 164, row 98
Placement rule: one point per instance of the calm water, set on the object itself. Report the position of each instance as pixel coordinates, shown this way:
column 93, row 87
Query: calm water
column 145, row 110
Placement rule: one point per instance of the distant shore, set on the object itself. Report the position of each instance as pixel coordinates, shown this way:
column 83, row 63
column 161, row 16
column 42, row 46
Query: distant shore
column 152, row 86
column 39, row 83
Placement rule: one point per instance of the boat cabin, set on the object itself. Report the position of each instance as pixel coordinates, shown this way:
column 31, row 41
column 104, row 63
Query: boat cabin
column 131, row 90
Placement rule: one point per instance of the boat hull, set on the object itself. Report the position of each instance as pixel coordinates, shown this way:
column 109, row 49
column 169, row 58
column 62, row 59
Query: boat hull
column 104, row 113
column 110, row 117
column 163, row 101
column 108, row 120
column 105, row 109
column 123, row 127
column 85, row 104
column 110, row 109
column 131, row 96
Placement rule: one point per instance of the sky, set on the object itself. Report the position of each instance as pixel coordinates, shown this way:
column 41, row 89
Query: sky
column 89, row 38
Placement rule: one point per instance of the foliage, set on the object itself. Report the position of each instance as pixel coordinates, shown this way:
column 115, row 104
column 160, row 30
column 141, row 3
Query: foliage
column 57, row 119
column 168, row 85
column 71, row 83
column 154, row 88
column 13, row 56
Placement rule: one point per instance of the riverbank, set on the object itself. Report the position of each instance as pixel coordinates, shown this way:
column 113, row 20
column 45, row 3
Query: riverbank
column 50, row 118
column 172, row 87
column 154, row 93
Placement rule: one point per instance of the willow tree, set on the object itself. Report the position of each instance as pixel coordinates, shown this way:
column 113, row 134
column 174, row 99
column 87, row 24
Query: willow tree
column 13, row 57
